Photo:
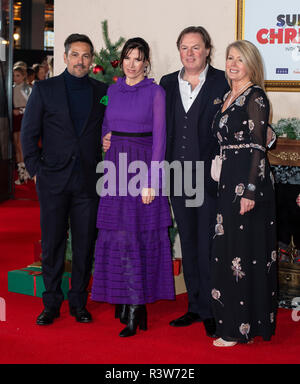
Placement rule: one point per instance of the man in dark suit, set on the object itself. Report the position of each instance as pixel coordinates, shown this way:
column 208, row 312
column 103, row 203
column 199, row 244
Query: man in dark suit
column 66, row 113
column 193, row 96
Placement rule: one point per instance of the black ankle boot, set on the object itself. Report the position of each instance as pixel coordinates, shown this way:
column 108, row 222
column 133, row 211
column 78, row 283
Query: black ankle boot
column 137, row 316
column 122, row 312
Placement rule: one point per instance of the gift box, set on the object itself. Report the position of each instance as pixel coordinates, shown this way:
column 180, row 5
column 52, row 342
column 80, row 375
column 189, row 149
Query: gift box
column 37, row 251
column 69, row 247
column 176, row 266
column 89, row 288
column 38, row 264
column 29, row 281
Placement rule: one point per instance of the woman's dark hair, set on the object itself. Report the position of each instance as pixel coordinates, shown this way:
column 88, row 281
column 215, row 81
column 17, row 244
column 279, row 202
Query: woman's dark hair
column 30, row 71
column 203, row 33
column 77, row 38
column 36, row 68
column 136, row 43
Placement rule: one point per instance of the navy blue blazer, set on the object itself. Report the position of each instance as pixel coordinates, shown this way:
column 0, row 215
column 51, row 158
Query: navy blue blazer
column 211, row 97
column 212, row 93
column 47, row 116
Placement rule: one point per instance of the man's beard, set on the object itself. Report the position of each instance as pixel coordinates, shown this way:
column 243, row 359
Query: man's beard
column 83, row 68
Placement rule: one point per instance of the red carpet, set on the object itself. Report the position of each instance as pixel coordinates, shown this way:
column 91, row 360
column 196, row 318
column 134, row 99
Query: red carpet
column 66, row 341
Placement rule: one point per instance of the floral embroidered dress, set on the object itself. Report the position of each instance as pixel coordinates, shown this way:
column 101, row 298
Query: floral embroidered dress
column 244, row 258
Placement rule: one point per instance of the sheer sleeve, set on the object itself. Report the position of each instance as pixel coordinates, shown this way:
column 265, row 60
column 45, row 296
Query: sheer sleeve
column 159, row 138
column 258, row 116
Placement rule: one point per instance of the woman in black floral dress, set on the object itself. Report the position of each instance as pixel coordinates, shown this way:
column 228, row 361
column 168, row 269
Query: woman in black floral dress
column 244, row 268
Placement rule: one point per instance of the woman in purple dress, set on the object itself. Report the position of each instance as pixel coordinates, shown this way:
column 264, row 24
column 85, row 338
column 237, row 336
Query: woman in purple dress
column 133, row 264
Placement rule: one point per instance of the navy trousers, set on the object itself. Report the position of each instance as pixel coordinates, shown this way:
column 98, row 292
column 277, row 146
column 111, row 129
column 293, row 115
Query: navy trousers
column 196, row 230
column 75, row 209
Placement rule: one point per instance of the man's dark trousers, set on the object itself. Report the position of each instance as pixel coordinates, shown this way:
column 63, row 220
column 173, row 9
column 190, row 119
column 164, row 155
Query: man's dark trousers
column 196, row 231
column 81, row 209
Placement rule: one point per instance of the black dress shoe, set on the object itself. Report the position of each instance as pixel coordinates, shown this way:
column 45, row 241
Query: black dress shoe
column 186, row 320
column 81, row 315
column 47, row 317
column 121, row 313
column 137, row 317
column 210, row 327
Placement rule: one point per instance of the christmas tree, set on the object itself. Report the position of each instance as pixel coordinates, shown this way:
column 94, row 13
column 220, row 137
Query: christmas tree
column 106, row 66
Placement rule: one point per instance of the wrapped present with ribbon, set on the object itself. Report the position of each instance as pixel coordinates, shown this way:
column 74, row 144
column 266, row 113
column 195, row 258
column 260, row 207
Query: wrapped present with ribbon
column 29, row 281
column 176, row 266
column 38, row 264
column 37, row 251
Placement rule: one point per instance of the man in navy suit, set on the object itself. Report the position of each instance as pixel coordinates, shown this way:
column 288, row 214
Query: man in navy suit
column 193, row 96
column 66, row 113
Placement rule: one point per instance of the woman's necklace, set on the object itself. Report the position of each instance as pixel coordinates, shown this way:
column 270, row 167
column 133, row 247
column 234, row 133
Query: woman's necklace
column 232, row 97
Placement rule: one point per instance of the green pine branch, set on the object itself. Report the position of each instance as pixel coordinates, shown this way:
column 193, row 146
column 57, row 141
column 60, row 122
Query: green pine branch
column 106, row 56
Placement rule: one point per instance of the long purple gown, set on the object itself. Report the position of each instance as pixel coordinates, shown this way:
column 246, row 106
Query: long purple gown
column 133, row 263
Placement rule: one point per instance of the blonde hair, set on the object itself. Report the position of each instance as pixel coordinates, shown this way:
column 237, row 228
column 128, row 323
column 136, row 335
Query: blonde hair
column 20, row 64
column 252, row 59
column 21, row 70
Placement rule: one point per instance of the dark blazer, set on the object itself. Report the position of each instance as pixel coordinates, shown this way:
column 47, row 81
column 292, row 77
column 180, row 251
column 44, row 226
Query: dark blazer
column 211, row 95
column 47, row 117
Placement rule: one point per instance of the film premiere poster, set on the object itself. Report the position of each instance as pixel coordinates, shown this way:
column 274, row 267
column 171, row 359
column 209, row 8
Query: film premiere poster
column 274, row 27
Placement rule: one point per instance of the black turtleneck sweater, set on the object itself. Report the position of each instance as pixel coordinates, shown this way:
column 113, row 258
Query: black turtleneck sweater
column 79, row 91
